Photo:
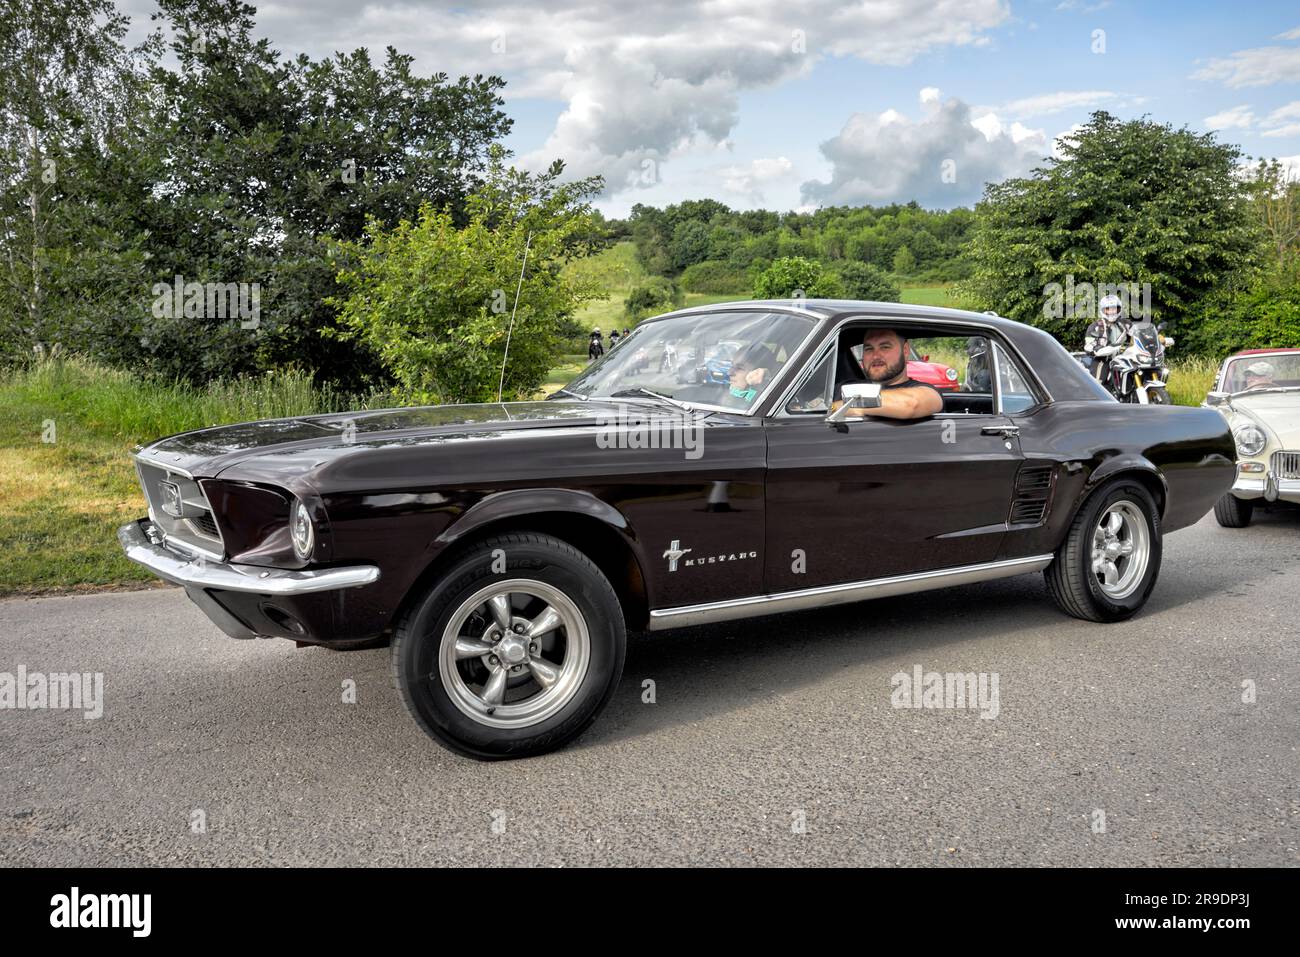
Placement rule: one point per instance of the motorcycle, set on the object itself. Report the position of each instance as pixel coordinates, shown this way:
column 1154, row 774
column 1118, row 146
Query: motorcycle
column 1136, row 373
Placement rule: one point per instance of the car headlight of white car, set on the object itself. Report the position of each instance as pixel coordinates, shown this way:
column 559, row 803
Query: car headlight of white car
column 1250, row 439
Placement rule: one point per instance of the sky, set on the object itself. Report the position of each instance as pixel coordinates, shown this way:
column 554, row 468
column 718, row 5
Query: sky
column 795, row 105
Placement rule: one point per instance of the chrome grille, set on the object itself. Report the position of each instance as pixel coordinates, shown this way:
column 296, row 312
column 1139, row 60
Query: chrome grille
column 169, row 492
column 1285, row 465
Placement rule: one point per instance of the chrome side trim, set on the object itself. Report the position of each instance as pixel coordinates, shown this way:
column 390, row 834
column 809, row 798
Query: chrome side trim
column 193, row 570
column 686, row 615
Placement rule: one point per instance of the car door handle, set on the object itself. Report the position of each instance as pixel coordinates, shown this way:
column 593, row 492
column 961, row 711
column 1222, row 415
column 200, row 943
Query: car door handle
column 1006, row 431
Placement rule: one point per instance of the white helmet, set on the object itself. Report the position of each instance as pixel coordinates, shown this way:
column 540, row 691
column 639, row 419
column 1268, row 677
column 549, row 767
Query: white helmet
column 1110, row 302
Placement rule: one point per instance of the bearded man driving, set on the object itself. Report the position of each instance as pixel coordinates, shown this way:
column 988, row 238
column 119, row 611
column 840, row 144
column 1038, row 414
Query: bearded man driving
column 884, row 360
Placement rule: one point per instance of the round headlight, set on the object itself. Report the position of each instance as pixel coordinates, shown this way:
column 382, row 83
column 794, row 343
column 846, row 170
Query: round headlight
column 302, row 531
column 951, row 374
column 1250, row 440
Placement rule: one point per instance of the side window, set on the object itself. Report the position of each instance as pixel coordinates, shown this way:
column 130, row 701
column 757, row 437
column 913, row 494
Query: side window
column 1014, row 392
column 810, row 397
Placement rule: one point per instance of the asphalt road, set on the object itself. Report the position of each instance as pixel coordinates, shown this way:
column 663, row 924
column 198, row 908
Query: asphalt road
column 770, row 742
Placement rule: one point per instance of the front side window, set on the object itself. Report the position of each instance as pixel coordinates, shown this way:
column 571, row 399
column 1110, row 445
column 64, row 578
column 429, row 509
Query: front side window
column 961, row 367
column 726, row 359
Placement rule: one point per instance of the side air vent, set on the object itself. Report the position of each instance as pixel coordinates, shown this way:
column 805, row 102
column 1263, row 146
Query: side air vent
column 1033, row 490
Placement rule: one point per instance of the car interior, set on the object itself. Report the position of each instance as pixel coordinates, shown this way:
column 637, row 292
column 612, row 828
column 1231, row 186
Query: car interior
column 970, row 356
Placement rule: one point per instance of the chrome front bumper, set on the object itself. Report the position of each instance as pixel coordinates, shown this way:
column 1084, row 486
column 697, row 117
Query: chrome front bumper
column 1288, row 490
column 173, row 565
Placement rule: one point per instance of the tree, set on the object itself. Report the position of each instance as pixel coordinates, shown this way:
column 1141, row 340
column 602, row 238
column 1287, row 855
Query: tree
column 690, row 244
column 262, row 160
column 904, row 261
column 434, row 301
column 1127, row 202
column 796, row 277
column 867, row 282
column 69, row 86
column 1275, row 198
column 657, row 294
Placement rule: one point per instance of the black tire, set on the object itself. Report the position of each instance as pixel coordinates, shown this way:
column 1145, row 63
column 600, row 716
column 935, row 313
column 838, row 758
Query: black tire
column 1158, row 396
column 1070, row 578
column 1233, row 512
column 417, row 640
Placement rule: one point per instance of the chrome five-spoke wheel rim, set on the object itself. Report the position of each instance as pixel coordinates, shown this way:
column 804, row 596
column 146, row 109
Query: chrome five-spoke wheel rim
column 514, row 653
column 1121, row 549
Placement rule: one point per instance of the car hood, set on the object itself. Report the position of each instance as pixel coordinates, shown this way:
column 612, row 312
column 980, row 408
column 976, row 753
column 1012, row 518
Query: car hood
column 1279, row 412
column 299, row 444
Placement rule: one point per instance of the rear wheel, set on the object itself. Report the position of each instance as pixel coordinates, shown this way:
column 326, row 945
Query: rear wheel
column 514, row 651
column 1233, row 512
column 1108, row 564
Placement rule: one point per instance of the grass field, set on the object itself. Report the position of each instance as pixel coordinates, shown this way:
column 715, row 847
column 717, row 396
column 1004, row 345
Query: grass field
column 66, row 479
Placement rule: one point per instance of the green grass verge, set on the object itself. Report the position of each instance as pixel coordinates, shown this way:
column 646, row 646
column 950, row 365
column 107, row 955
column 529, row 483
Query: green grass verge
column 67, row 429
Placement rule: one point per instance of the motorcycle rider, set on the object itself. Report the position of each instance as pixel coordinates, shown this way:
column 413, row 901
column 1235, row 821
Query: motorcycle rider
column 1107, row 335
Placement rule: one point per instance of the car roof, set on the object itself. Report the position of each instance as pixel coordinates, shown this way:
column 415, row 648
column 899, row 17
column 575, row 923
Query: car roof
column 1260, row 352
column 1063, row 377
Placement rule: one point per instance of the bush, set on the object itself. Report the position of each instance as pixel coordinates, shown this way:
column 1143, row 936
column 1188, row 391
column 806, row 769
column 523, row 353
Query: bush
column 795, row 276
column 1266, row 315
column 716, row 276
column 655, row 295
column 868, row 282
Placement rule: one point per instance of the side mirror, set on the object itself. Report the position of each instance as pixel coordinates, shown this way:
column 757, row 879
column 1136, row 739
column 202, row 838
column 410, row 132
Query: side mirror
column 925, row 358
column 857, row 395
column 1217, row 398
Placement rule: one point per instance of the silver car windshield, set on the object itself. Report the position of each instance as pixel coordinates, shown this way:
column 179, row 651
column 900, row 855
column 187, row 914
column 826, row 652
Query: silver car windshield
column 1253, row 373
column 724, row 359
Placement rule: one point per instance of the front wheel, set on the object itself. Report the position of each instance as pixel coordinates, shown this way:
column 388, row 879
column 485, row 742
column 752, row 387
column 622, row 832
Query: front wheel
column 1108, row 564
column 1233, row 512
column 514, row 651
column 1157, row 395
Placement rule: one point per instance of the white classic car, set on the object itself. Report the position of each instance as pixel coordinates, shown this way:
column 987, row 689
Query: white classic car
column 1258, row 392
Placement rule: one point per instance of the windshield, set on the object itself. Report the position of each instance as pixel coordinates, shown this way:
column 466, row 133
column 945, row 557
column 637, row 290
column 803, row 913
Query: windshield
column 1251, row 373
column 725, row 359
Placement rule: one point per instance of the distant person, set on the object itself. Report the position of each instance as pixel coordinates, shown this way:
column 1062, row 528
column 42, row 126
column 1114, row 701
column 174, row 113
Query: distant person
column 613, row 339
column 1259, row 375
column 595, row 348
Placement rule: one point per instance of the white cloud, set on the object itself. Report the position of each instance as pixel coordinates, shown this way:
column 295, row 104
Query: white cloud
column 1284, row 121
column 943, row 160
column 1236, row 117
column 1289, row 111
column 1259, row 66
column 749, row 179
column 640, row 82
column 1046, row 104
column 1063, row 137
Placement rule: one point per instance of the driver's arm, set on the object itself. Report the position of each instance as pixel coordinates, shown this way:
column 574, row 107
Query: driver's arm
column 912, row 403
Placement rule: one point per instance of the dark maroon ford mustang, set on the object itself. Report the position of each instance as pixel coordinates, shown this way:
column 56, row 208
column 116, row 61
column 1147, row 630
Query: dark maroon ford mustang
column 506, row 548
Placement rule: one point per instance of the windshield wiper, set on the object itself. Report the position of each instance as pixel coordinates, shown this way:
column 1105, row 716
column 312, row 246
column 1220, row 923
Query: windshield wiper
column 642, row 390
column 576, row 395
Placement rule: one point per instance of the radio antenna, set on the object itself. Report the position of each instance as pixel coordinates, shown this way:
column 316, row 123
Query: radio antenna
column 511, row 328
